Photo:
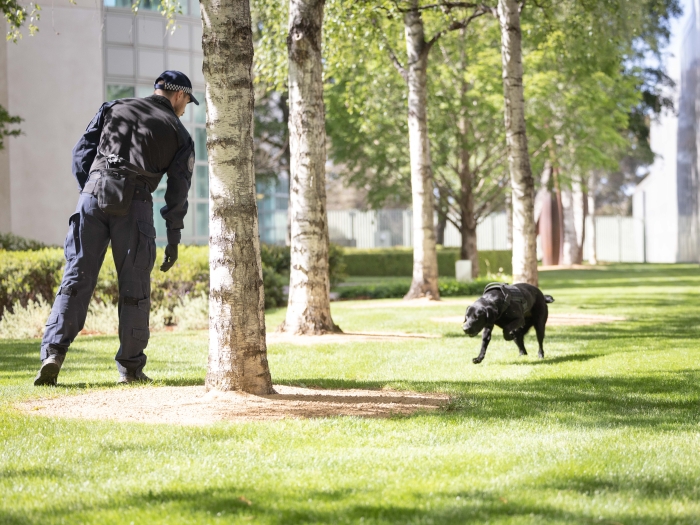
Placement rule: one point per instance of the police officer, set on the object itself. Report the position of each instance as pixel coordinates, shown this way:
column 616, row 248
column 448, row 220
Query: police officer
column 118, row 163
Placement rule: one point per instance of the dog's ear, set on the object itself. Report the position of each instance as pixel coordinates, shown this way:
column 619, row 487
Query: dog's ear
column 491, row 315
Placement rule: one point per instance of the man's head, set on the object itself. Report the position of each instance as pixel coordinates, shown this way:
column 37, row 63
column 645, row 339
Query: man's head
column 177, row 88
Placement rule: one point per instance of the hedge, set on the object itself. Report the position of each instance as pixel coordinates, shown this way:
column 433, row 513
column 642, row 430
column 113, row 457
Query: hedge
column 449, row 287
column 26, row 275
column 11, row 242
column 398, row 262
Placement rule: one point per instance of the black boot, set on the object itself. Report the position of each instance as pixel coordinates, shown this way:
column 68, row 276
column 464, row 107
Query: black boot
column 50, row 367
column 134, row 377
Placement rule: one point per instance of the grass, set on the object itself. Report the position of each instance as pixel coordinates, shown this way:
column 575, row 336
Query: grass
column 605, row 430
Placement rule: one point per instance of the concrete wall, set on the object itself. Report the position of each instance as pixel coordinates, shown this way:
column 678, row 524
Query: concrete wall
column 56, row 85
column 5, row 202
column 655, row 200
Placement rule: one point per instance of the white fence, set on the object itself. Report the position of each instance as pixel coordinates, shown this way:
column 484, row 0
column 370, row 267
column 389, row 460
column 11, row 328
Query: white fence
column 619, row 239
column 385, row 228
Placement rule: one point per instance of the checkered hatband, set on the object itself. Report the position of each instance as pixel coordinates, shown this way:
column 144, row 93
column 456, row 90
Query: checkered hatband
column 173, row 87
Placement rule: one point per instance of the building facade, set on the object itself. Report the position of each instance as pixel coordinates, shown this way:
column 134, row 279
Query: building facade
column 82, row 56
column 667, row 202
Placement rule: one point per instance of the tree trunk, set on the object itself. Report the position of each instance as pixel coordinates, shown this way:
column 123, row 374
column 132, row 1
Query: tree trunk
column 425, row 270
column 573, row 219
column 522, row 184
column 442, row 209
column 468, row 249
column 309, row 307
column 237, row 348
column 509, row 220
column 592, row 185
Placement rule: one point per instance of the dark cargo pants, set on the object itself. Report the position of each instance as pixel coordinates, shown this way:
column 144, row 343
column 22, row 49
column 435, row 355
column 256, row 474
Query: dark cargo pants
column 133, row 247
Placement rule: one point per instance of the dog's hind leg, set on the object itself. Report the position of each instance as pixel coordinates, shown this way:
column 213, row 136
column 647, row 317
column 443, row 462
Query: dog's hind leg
column 539, row 330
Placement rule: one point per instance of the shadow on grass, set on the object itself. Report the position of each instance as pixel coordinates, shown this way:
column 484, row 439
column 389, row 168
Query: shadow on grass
column 231, row 502
column 646, row 401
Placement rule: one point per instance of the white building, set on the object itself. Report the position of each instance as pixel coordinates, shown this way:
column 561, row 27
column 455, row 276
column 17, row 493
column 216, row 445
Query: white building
column 83, row 55
column 667, row 201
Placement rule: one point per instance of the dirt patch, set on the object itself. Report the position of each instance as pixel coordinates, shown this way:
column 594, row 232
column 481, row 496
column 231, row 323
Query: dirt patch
column 194, row 406
column 348, row 337
column 552, row 320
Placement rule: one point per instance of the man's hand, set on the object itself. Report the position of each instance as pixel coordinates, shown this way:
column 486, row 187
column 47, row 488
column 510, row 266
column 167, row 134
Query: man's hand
column 170, row 257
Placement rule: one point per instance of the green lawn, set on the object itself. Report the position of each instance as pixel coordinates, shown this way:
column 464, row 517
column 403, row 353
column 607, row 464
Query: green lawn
column 605, row 430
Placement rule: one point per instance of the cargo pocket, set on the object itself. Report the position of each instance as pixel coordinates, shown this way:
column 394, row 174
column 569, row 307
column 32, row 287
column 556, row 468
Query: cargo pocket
column 146, row 250
column 72, row 245
column 53, row 319
column 141, row 334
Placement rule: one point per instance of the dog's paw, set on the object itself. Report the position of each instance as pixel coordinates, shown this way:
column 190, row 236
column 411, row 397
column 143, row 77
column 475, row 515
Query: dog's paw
column 541, row 356
column 476, row 360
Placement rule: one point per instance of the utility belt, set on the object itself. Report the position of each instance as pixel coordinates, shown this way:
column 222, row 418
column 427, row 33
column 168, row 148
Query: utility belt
column 116, row 186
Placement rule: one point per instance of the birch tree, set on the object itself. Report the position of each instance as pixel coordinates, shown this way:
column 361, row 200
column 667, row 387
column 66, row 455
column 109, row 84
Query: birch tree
column 308, row 310
column 425, row 270
column 237, row 348
column 521, row 181
column 414, row 73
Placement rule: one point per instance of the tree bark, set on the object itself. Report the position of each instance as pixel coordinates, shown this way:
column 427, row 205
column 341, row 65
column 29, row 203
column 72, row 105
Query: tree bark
column 522, row 184
column 442, row 209
column 309, row 308
column 592, row 186
column 425, row 269
column 237, row 348
column 468, row 249
column 509, row 221
column 574, row 221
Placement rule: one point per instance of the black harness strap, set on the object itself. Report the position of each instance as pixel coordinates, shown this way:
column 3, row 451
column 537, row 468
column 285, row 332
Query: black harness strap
column 510, row 294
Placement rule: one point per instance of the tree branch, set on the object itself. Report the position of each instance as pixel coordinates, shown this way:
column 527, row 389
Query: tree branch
column 481, row 10
column 394, row 59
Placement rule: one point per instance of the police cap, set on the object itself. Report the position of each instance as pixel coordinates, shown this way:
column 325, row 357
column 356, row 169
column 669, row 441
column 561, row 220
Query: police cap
column 175, row 81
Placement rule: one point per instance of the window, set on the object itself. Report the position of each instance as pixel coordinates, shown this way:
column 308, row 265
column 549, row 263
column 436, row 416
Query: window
column 146, row 5
column 114, row 92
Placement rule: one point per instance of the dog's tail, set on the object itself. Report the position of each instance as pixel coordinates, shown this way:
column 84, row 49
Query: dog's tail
column 548, row 299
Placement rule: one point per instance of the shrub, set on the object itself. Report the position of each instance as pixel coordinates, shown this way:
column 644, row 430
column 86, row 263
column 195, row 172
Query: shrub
column 28, row 322
column 336, row 264
column 398, row 262
column 25, row 322
column 11, row 242
column 448, row 288
column 274, row 284
column 29, row 276
column 102, row 318
column 192, row 313
column 36, row 275
column 278, row 258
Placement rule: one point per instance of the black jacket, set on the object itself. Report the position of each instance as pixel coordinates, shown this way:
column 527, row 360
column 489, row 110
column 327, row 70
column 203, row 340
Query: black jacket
column 147, row 133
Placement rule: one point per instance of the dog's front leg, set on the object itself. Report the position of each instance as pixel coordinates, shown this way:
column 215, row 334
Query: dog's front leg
column 485, row 340
column 509, row 329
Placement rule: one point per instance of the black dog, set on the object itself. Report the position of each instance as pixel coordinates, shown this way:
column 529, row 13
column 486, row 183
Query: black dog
column 515, row 308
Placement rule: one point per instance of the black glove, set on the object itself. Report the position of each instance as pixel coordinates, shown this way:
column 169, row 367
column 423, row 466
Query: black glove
column 170, row 257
